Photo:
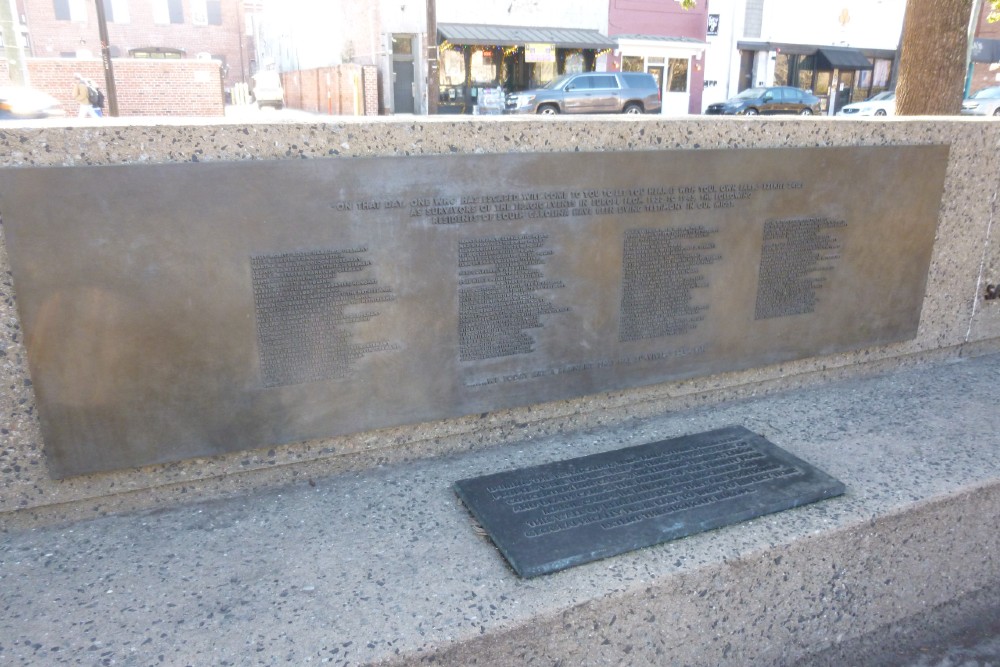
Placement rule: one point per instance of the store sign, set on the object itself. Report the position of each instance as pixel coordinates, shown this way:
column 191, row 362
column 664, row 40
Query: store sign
column 539, row 53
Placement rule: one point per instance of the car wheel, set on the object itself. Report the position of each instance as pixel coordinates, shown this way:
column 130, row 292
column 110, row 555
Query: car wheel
column 548, row 110
column 806, row 112
column 632, row 108
column 880, row 112
column 751, row 112
column 996, row 112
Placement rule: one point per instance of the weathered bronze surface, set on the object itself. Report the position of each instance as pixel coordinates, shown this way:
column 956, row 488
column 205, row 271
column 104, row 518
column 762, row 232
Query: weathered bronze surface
column 550, row 517
column 180, row 310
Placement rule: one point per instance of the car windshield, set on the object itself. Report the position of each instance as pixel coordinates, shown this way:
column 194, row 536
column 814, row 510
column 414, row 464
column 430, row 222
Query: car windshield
column 884, row 95
column 987, row 93
column 555, row 83
column 751, row 94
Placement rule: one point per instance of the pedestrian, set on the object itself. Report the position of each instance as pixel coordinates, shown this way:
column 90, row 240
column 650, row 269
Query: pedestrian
column 81, row 93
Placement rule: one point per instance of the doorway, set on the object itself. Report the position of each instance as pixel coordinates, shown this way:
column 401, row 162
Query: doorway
column 403, row 93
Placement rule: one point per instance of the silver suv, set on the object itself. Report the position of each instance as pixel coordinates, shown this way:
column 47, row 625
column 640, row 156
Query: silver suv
column 590, row 92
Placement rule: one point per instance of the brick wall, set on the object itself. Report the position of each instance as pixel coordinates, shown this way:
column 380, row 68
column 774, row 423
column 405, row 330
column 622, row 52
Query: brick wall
column 4, row 72
column 145, row 87
column 370, row 75
column 51, row 38
column 343, row 90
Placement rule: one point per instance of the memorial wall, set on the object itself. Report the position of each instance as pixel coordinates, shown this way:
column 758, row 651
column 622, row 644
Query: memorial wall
column 185, row 320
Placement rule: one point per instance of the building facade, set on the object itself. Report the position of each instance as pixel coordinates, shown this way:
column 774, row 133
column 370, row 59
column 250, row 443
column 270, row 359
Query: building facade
column 169, row 29
column 984, row 68
column 842, row 50
column 667, row 41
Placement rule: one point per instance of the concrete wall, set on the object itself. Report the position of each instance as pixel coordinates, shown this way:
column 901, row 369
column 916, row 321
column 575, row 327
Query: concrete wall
column 955, row 319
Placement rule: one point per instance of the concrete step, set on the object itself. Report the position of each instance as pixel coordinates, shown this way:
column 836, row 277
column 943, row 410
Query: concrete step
column 386, row 565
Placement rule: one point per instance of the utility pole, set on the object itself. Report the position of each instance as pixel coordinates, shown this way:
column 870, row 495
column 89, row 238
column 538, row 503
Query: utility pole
column 109, row 72
column 433, row 84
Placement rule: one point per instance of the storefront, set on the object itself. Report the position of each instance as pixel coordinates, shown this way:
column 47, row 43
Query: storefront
column 675, row 63
column 483, row 62
column 853, row 74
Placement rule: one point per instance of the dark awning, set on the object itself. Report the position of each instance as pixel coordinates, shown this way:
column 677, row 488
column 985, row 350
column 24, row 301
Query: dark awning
column 986, row 51
column 512, row 35
column 840, row 57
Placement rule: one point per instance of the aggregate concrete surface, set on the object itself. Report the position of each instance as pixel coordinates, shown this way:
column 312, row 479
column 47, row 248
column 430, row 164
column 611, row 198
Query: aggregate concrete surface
column 386, row 565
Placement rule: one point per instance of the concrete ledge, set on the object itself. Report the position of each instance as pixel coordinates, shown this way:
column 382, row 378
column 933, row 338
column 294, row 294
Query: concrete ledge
column 385, row 565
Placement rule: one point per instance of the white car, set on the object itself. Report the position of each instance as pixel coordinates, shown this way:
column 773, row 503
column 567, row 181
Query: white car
column 986, row 102
column 882, row 104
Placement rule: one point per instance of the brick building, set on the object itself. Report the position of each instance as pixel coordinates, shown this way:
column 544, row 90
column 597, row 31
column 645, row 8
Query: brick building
column 151, row 29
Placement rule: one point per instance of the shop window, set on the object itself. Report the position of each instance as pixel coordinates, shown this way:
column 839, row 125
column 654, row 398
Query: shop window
column 880, row 75
column 806, row 66
column 451, row 76
column 782, row 69
column 484, row 69
column 574, row 62
column 633, row 64
column 677, row 81
column 541, row 74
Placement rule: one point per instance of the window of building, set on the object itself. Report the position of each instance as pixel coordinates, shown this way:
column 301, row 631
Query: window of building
column 116, row 11
column 70, row 10
column 484, row 69
column 574, row 62
column 206, row 12
column 168, row 11
column 678, row 77
column 632, row 64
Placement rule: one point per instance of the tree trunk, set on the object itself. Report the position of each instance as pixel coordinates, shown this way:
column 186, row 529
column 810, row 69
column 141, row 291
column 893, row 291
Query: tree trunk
column 932, row 59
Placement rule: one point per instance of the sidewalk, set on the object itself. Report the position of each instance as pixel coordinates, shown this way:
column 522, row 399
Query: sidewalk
column 386, row 565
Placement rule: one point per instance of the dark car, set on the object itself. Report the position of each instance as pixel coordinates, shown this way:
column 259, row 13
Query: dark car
column 772, row 100
column 590, row 92
column 19, row 102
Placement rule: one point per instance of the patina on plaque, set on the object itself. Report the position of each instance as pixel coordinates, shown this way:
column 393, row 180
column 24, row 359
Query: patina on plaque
column 553, row 516
column 181, row 310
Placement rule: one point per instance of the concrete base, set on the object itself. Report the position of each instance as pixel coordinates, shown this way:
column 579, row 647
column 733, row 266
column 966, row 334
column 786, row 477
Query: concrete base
column 386, row 566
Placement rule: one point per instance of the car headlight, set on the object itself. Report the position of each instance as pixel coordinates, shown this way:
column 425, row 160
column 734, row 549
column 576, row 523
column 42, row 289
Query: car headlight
column 524, row 100
column 970, row 105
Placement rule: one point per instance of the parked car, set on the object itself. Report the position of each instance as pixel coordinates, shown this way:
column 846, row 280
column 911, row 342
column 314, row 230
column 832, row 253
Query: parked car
column 986, row 102
column 771, row 100
column 882, row 104
column 590, row 92
column 18, row 102
column 267, row 91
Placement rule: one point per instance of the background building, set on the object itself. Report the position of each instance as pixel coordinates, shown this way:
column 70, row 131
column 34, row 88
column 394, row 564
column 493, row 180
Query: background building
column 169, row 29
column 847, row 47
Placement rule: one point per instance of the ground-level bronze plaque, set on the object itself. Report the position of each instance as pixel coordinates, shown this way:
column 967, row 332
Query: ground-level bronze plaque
column 179, row 310
column 550, row 517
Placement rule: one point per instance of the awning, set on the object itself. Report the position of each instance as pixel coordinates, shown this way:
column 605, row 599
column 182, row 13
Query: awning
column 839, row 57
column 986, row 51
column 511, row 35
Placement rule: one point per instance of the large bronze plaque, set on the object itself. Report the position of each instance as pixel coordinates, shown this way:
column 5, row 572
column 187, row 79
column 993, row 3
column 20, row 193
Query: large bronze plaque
column 179, row 310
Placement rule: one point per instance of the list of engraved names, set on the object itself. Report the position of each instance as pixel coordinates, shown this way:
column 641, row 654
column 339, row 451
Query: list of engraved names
column 303, row 306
